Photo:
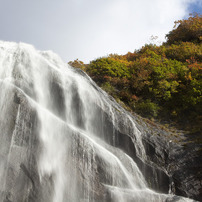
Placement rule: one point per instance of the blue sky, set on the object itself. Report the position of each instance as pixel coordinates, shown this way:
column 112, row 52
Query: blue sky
column 195, row 7
column 87, row 29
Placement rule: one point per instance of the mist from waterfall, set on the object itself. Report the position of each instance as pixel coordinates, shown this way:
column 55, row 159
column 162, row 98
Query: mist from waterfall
column 58, row 135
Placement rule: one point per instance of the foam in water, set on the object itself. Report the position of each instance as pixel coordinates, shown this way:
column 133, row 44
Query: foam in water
column 75, row 135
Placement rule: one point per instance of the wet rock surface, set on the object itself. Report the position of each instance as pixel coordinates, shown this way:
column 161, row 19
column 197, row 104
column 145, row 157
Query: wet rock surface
column 175, row 156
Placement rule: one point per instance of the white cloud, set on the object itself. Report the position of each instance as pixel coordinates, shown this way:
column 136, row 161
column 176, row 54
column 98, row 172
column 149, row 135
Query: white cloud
column 124, row 25
column 87, row 29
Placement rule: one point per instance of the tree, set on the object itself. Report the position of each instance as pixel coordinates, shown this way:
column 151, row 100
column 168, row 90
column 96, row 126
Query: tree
column 189, row 30
column 78, row 64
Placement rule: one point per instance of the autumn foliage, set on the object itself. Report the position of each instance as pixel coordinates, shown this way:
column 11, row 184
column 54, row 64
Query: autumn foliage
column 186, row 30
column 162, row 82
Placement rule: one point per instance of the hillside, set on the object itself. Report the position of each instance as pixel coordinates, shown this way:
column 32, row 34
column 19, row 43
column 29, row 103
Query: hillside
column 161, row 83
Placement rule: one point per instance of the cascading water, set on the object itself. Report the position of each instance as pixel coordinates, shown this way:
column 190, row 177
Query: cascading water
column 58, row 135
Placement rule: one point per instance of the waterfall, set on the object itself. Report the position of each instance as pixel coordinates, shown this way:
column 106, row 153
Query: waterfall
column 59, row 135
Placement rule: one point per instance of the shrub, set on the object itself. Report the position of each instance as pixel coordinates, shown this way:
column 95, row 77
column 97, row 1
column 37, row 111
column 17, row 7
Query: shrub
column 184, row 51
column 147, row 108
column 108, row 66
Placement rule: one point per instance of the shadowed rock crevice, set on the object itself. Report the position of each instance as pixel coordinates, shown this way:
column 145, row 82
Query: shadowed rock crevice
column 57, row 104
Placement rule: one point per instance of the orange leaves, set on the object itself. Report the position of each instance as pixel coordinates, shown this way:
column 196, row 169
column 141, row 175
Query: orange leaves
column 195, row 66
column 188, row 76
column 134, row 97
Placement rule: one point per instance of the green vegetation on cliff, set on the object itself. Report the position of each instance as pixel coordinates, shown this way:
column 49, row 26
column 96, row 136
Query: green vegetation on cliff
column 161, row 82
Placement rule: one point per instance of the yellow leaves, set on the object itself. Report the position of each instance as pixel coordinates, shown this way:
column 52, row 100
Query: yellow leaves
column 174, row 113
column 188, row 76
column 163, row 84
column 78, row 64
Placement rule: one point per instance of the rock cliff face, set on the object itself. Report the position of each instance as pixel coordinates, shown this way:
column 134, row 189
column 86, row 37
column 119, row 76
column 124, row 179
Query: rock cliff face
column 170, row 165
column 64, row 139
column 179, row 160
